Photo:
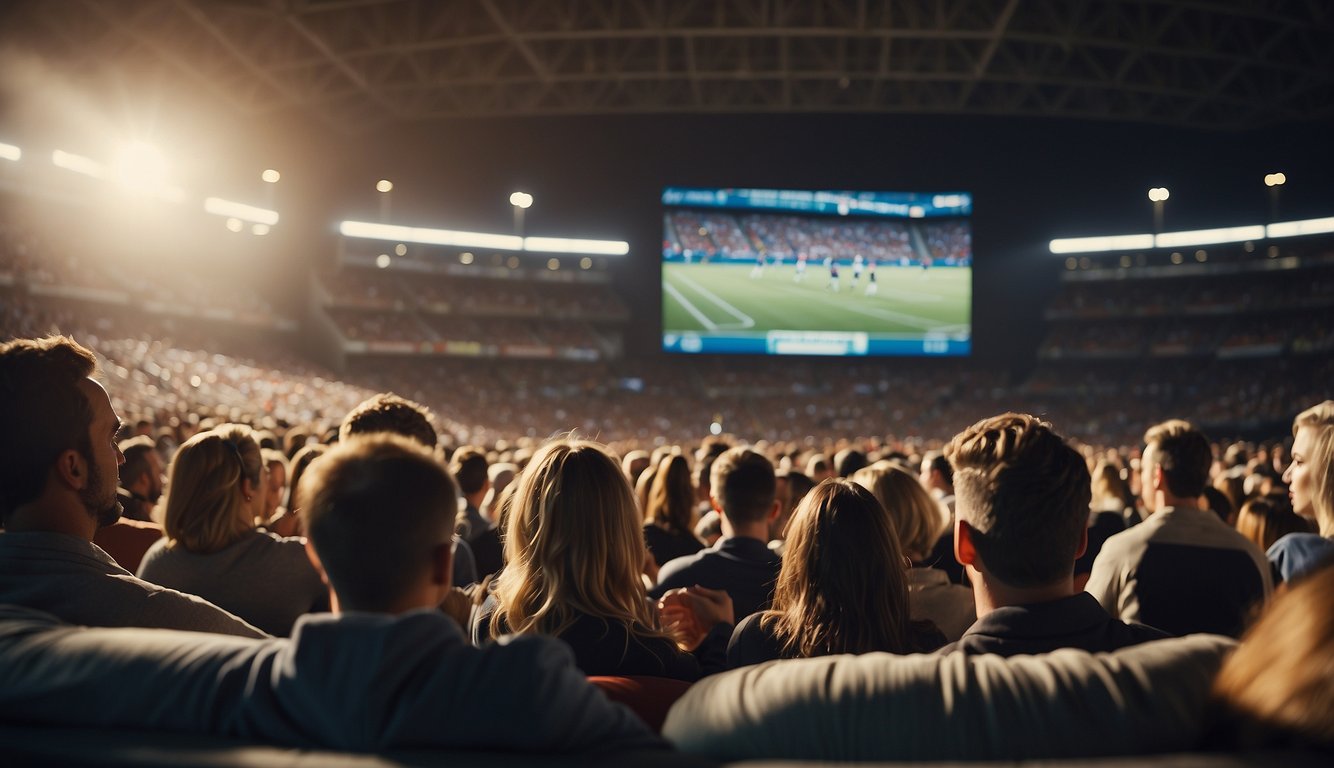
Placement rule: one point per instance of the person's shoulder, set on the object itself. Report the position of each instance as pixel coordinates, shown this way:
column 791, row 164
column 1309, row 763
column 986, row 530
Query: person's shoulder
column 1298, row 543
column 677, row 568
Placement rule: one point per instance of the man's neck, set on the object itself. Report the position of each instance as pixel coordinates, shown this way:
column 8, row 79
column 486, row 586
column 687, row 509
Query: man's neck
column 39, row 517
column 475, row 500
column 758, row 531
column 989, row 594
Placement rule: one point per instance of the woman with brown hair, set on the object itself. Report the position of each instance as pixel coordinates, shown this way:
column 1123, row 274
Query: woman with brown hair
column 843, row 587
column 669, row 515
column 215, row 489
column 1267, row 519
column 573, row 554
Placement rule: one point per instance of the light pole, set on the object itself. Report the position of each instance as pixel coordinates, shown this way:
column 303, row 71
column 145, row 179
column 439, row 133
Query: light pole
column 1274, row 181
column 384, row 187
column 1158, row 195
column 521, row 201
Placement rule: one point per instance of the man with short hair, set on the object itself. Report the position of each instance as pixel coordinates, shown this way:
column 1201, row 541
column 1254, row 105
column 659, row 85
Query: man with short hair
column 58, row 485
column 1022, row 499
column 389, row 413
column 140, row 477
column 471, row 470
column 1183, row 569
column 937, row 476
column 742, row 487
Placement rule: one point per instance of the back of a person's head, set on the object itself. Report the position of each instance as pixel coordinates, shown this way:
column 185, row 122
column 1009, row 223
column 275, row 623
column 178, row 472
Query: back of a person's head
column 743, row 484
column 1276, row 689
column 917, row 517
column 469, row 466
column 798, row 485
column 1183, row 454
column 671, row 496
column 387, row 412
column 842, row 587
column 1024, row 493
column 573, row 544
column 1319, row 458
column 301, row 461
column 376, row 507
column 205, row 508
column 137, row 462
column 43, row 411
column 1266, row 519
column 935, row 461
column 848, row 461
column 1109, row 486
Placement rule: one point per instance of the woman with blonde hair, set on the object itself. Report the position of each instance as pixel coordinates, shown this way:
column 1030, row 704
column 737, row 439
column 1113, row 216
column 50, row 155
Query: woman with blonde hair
column 574, row 550
column 843, row 587
column 215, row 490
column 669, row 516
column 1310, row 479
column 918, row 523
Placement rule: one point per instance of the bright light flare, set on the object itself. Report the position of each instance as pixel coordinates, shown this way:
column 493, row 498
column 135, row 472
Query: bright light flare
column 1275, row 179
column 78, row 164
column 1159, row 194
column 1303, row 227
column 1209, row 236
column 219, row 207
column 384, row 185
column 10, row 152
column 1101, row 244
column 427, row 236
column 521, row 200
column 141, row 166
column 271, row 176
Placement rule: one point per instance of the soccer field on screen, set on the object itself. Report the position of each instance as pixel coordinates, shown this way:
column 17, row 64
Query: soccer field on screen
column 726, row 299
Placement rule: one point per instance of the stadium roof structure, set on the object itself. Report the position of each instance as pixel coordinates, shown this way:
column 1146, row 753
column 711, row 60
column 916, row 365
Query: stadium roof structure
column 359, row 64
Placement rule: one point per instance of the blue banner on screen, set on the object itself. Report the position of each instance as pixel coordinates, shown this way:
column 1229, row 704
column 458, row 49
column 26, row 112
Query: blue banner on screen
column 802, row 272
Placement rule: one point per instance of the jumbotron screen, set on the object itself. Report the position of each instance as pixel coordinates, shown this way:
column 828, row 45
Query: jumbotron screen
column 789, row 272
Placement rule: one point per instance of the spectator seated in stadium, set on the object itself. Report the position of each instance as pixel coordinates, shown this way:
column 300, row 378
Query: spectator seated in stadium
column 1107, row 516
column 1182, row 570
column 743, row 489
column 215, row 491
column 574, row 552
column 917, row 522
column 387, row 412
column 470, row 470
column 670, row 512
column 59, row 486
column 1022, row 498
column 1266, row 519
column 1310, row 479
column 842, row 589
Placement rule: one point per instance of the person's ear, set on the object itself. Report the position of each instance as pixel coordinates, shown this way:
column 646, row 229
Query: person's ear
column 773, row 513
column 1159, row 478
column 1083, row 542
column 442, row 565
column 964, row 550
column 72, row 469
column 247, row 489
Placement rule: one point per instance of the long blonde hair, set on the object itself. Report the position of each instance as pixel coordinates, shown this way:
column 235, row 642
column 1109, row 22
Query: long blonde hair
column 205, row 508
column 573, row 546
column 1320, row 420
column 843, row 586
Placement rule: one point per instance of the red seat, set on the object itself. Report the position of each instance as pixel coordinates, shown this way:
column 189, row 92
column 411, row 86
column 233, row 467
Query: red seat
column 648, row 697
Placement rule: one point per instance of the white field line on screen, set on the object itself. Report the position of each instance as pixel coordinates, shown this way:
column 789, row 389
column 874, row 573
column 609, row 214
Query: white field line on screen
column 883, row 314
column 746, row 320
column 689, row 307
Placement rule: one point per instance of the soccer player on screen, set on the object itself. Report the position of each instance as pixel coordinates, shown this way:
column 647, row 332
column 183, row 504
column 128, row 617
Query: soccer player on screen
column 858, row 263
column 871, row 288
column 758, row 270
column 833, row 274
column 801, row 267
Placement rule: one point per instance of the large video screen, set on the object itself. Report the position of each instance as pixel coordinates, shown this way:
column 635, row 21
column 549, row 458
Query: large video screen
column 789, row 272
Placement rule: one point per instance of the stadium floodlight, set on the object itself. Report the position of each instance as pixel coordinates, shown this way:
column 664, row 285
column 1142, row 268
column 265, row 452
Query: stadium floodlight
column 1159, row 194
column 10, row 152
column 1299, row 228
column 1275, row 179
column 1209, row 236
column 384, row 185
column 219, row 207
column 426, row 236
column 78, row 164
column 1101, row 244
column 259, row 229
column 521, row 200
column 271, row 176
column 141, row 166
column 569, row 245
